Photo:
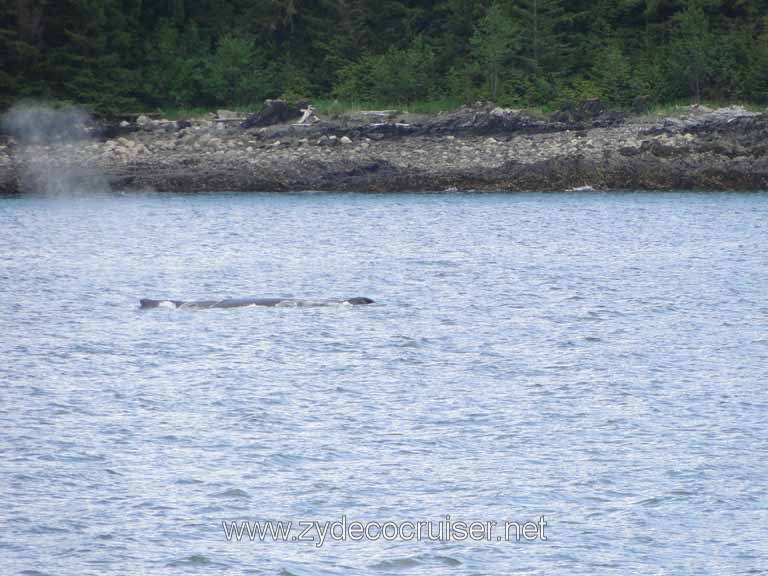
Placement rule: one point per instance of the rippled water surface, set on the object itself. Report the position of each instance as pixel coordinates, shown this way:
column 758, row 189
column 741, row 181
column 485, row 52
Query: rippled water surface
column 599, row 359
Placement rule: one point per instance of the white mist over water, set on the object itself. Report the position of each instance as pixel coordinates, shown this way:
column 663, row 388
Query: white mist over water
column 50, row 151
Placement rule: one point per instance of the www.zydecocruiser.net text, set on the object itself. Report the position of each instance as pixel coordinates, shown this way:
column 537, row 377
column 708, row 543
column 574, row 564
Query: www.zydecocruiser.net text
column 343, row 530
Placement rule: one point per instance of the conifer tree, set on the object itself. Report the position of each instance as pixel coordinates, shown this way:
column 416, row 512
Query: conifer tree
column 541, row 44
column 693, row 47
column 493, row 42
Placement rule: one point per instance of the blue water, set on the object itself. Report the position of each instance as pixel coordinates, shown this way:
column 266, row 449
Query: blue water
column 598, row 359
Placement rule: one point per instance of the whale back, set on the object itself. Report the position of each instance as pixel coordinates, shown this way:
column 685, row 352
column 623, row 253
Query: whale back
column 360, row 300
column 146, row 303
column 149, row 303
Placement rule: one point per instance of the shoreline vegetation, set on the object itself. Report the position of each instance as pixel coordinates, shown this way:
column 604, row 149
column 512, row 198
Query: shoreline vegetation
column 479, row 147
column 596, row 94
column 115, row 55
column 331, row 107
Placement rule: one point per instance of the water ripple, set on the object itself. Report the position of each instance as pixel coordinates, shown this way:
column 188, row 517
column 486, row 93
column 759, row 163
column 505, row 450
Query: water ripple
column 599, row 359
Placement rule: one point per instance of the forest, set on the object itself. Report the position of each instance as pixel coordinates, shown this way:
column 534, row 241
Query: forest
column 119, row 55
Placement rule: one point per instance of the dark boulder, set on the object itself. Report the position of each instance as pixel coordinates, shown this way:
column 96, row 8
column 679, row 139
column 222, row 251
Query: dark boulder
column 641, row 104
column 274, row 112
column 110, row 129
column 593, row 111
column 483, row 122
column 661, row 150
column 592, row 108
column 629, row 150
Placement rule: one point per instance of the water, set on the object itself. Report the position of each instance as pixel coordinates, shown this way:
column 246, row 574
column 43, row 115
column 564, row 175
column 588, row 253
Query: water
column 598, row 359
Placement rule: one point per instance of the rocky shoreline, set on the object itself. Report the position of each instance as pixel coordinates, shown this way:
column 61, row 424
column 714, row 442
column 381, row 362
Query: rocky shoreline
column 481, row 148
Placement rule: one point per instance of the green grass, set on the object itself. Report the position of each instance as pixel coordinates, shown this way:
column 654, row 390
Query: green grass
column 182, row 113
column 171, row 113
column 325, row 107
column 434, row 106
column 328, row 107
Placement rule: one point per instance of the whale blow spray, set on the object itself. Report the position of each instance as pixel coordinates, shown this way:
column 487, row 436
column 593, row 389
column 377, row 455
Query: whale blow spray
column 50, row 150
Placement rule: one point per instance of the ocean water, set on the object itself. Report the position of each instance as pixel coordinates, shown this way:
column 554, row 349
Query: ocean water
column 598, row 359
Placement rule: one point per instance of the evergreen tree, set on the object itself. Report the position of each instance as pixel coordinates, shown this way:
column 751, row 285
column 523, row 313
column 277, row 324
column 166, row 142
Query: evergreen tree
column 398, row 75
column 493, row 42
column 127, row 54
column 542, row 44
column 17, row 51
column 692, row 49
column 613, row 76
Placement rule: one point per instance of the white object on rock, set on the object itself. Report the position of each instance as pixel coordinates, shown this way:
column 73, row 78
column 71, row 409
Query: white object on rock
column 308, row 115
column 498, row 111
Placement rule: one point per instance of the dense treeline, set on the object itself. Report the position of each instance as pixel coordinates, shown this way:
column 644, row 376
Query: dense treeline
column 130, row 54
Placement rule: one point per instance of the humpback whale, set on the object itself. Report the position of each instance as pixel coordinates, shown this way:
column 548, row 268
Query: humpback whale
column 243, row 302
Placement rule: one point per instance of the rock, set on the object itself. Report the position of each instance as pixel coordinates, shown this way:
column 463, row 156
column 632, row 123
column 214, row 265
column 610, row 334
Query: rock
column 641, row 104
column 586, row 111
column 226, row 114
column 489, row 149
column 274, row 112
column 593, row 107
column 143, row 120
column 700, row 109
column 659, row 149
